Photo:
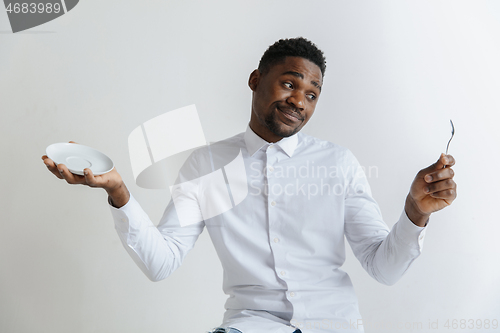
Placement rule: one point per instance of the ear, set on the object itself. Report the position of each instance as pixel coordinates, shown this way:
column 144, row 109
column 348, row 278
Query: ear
column 254, row 79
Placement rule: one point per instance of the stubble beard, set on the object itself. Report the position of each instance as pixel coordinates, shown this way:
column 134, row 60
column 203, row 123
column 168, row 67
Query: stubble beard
column 277, row 127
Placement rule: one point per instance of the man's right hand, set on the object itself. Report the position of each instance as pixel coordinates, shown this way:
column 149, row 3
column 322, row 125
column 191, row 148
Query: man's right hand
column 111, row 182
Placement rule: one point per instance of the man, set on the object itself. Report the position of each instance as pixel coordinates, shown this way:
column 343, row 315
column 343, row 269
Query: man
column 281, row 248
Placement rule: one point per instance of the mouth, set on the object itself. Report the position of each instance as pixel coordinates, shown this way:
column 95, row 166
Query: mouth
column 289, row 114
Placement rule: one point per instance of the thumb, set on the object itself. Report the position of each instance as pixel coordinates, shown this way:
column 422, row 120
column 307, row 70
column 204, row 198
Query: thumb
column 442, row 162
column 439, row 164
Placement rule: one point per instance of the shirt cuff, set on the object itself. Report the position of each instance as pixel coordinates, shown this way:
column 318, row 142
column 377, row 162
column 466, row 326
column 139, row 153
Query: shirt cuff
column 130, row 217
column 408, row 232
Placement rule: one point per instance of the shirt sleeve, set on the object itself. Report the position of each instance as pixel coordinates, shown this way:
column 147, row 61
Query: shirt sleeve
column 158, row 251
column 385, row 254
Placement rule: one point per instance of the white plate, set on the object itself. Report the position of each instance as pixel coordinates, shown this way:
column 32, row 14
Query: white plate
column 78, row 157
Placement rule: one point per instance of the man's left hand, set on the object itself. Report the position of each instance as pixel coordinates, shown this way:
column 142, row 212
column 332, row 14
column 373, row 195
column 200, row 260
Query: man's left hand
column 432, row 189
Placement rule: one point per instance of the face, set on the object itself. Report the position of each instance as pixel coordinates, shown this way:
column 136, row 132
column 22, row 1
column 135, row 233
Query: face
column 284, row 98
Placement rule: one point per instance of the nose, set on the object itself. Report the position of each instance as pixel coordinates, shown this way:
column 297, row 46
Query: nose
column 296, row 99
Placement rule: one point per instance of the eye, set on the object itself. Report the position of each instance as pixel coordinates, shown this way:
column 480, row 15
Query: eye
column 288, row 85
column 311, row 97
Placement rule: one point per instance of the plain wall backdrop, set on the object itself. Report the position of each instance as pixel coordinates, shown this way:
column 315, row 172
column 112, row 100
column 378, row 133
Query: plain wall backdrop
column 397, row 71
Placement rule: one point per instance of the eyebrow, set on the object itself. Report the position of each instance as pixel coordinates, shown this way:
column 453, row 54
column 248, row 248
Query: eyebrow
column 300, row 75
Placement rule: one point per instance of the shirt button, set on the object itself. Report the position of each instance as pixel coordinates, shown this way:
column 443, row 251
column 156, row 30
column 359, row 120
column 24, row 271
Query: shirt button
column 282, row 273
column 276, row 240
column 271, row 169
column 273, row 203
column 123, row 219
column 292, row 294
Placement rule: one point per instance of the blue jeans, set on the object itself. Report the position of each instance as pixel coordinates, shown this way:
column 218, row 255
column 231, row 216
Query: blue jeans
column 234, row 330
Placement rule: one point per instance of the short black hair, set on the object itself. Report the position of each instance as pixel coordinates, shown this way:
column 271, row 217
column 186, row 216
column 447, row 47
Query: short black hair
column 292, row 47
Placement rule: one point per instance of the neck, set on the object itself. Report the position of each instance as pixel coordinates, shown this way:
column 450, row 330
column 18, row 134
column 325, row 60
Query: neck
column 265, row 134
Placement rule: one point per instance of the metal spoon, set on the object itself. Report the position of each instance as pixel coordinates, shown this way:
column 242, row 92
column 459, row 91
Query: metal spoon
column 452, row 134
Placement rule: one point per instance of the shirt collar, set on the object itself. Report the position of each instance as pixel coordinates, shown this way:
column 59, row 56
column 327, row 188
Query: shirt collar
column 255, row 142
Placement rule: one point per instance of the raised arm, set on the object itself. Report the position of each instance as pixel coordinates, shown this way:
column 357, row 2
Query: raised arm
column 158, row 251
column 386, row 255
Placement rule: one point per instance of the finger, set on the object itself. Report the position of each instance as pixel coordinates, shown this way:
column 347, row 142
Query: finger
column 445, row 161
column 73, row 142
column 441, row 162
column 447, row 195
column 51, row 166
column 440, row 174
column 451, row 160
column 89, row 177
column 442, row 185
column 60, row 169
column 70, row 177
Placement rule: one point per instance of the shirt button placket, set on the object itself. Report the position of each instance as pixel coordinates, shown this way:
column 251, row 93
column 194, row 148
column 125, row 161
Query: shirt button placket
column 273, row 209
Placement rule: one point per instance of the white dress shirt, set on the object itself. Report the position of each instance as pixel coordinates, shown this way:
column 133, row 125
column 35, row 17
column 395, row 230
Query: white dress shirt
column 282, row 247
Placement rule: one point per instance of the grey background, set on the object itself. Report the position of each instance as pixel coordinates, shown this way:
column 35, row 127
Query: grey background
column 397, row 72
